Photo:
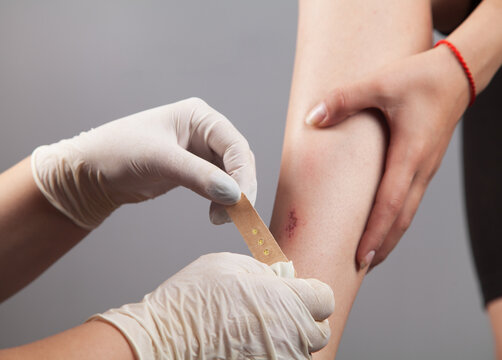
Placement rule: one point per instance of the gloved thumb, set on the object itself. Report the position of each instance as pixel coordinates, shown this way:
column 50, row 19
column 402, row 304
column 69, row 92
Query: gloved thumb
column 319, row 300
column 203, row 177
column 316, row 295
column 343, row 102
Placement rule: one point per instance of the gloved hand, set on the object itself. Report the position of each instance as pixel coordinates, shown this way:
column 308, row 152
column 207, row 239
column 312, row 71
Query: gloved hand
column 228, row 306
column 143, row 156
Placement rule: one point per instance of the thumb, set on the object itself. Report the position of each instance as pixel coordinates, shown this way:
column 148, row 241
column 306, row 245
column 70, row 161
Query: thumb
column 203, row 177
column 343, row 102
column 318, row 299
column 317, row 296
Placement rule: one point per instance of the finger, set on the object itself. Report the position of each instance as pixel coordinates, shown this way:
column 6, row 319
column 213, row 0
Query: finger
column 201, row 176
column 389, row 201
column 218, row 215
column 319, row 300
column 322, row 338
column 229, row 145
column 217, row 212
column 316, row 295
column 343, row 102
column 402, row 222
column 232, row 151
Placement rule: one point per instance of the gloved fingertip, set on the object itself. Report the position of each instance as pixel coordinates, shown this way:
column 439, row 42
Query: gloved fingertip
column 317, row 296
column 252, row 196
column 322, row 339
column 223, row 189
column 325, row 299
column 219, row 216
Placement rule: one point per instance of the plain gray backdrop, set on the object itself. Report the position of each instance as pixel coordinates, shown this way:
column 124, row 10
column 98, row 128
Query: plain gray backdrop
column 67, row 66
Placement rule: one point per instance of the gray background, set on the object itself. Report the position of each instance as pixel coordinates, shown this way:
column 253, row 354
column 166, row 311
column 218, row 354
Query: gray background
column 66, row 66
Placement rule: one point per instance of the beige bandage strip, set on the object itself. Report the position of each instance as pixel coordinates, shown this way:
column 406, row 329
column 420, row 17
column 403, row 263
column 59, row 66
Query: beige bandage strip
column 256, row 234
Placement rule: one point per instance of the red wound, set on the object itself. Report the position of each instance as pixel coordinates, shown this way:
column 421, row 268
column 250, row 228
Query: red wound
column 292, row 222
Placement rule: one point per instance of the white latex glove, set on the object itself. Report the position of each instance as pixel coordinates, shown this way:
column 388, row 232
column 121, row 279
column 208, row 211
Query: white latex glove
column 228, row 306
column 143, row 156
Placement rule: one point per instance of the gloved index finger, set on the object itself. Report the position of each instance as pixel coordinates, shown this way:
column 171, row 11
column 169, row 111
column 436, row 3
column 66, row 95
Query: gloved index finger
column 231, row 146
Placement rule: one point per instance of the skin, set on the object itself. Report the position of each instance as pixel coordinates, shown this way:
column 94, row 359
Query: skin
column 494, row 309
column 93, row 340
column 318, row 214
column 34, row 233
column 421, row 94
column 422, row 98
column 329, row 177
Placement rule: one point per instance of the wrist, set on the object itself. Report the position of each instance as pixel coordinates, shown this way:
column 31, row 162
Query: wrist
column 451, row 77
column 147, row 337
column 465, row 67
column 70, row 185
column 113, row 339
column 479, row 39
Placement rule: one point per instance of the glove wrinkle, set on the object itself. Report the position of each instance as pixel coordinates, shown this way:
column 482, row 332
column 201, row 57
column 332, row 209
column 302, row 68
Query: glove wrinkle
column 142, row 156
column 72, row 185
column 222, row 306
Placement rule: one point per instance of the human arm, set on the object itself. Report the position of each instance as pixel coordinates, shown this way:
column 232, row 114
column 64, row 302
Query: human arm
column 422, row 98
column 93, row 340
column 494, row 310
column 33, row 233
column 222, row 306
column 127, row 160
column 329, row 177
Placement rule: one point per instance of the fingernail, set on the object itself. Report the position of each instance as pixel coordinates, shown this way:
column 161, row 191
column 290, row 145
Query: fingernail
column 367, row 259
column 317, row 115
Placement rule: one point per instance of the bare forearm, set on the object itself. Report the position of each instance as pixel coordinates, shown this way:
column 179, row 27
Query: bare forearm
column 323, row 199
column 329, row 177
column 92, row 340
column 494, row 310
column 33, row 234
column 479, row 39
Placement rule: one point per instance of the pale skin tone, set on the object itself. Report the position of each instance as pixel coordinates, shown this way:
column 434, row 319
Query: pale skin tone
column 34, row 235
column 329, row 177
column 422, row 98
column 92, row 340
column 344, row 198
column 494, row 309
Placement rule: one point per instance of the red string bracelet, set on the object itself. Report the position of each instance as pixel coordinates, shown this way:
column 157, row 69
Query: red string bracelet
column 464, row 66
